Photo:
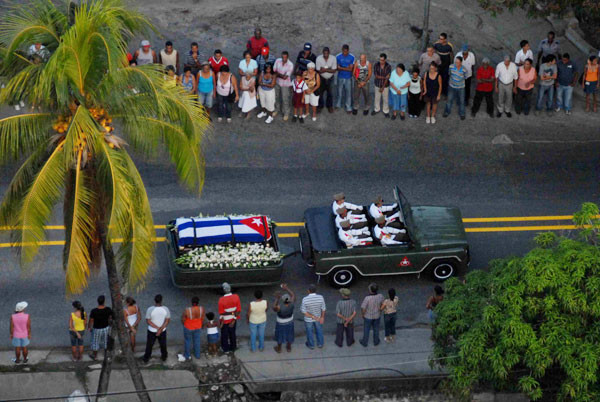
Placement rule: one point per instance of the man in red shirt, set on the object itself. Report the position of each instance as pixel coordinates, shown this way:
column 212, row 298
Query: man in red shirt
column 230, row 309
column 217, row 61
column 256, row 43
column 485, row 88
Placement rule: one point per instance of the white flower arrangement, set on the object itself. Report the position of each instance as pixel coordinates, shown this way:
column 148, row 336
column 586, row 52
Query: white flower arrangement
column 229, row 256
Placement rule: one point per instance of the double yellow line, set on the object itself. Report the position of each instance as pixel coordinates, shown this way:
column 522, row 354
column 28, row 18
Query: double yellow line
column 480, row 229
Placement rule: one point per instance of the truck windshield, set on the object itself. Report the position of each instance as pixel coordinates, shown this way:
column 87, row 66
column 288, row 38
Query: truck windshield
column 405, row 210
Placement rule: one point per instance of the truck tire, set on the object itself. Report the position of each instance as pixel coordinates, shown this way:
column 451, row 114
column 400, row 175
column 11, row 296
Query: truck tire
column 443, row 270
column 342, row 277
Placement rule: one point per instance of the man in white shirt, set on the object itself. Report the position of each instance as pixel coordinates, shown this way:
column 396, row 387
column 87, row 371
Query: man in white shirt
column 326, row 66
column 357, row 221
column 157, row 318
column 389, row 212
column 283, row 69
column 354, row 237
column 468, row 62
column 389, row 236
column 339, row 201
column 506, row 84
column 523, row 54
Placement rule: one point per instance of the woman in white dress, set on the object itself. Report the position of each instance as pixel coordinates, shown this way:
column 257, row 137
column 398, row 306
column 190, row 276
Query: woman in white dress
column 132, row 319
column 248, row 98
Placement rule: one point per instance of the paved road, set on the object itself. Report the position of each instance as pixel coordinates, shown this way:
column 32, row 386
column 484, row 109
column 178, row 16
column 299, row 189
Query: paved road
column 550, row 169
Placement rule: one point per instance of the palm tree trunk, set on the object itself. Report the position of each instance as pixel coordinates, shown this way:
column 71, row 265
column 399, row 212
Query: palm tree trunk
column 103, row 382
column 114, row 285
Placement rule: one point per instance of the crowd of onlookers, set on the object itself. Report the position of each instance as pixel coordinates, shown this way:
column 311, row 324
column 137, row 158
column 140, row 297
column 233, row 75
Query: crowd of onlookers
column 300, row 90
column 223, row 324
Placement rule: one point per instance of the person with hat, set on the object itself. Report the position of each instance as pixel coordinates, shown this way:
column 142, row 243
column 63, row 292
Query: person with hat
column 339, row 201
column 256, row 43
column 284, row 325
column 169, row 56
column 388, row 235
column 304, row 57
column 345, row 311
column 357, row 221
column 484, row 88
column 507, row 76
column 354, row 237
column 311, row 96
column 389, row 211
column 20, row 332
column 468, row 62
column 145, row 55
column 230, row 309
column 326, row 67
column 218, row 60
column 362, row 73
column 371, row 312
column 265, row 57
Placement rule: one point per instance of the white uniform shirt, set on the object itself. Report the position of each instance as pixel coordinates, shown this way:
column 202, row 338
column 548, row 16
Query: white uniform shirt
column 350, row 239
column 350, row 218
column 335, row 206
column 506, row 75
column 376, row 212
column 520, row 57
column 381, row 234
column 467, row 63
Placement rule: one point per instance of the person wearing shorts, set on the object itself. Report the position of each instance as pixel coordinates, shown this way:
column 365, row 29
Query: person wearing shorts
column 20, row 332
column 311, row 97
column 77, row 324
column 432, row 86
column 590, row 83
column 212, row 333
column 299, row 89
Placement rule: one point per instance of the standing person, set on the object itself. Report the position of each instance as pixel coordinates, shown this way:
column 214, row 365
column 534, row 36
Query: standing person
column 99, row 323
column 305, row 57
column 506, row 85
column 415, row 94
column 264, row 58
column 345, row 311
column 284, row 70
column 456, row 88
column 193, row 59
column 145, row 55
column 445, row 50
column 548, row 46
column 523, row 54
column 218, row 60
column 20, row 332
column 525, row 85
column 311, row 96
column 566, row 81
column 256, row 317
column 212, row 332
column 432, row 92
column 256, row 42
column 326, row 67
column 157, row 318
column 389, row 307
column 371, row 312
column 590, row 82
column 468, row 63
column 266, row 83
column 192, row 320
column 399, row 83
column 345, row 65
column 362, row 75
column 313, row 308
column 247, row 65
column 284, row 326
column 132, row 315
column 77, row 324
column 548, row 74
column 230, row 309
column 299, row 89
column 247, row 101
column 484, row 88
column 433, row 301
column 226, row 89
column 169, row 56
column 188, row 81
column 383, row 72
column 206, row 85
column 425, row 60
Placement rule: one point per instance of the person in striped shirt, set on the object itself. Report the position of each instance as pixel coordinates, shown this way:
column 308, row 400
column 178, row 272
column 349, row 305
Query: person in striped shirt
column 371, row 312
column 345, row 310
column 313, row 308
column 230, row 309
column 456, row 87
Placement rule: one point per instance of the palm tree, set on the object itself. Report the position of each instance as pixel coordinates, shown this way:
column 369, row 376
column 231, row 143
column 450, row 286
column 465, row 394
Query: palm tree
column 86, row 101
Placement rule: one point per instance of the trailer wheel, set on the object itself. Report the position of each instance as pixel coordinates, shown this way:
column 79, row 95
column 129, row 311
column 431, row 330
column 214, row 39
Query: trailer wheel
column 443, row 270
column 342, row 277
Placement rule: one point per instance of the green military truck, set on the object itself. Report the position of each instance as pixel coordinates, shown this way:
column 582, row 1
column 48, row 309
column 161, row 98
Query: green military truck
column 437, row 246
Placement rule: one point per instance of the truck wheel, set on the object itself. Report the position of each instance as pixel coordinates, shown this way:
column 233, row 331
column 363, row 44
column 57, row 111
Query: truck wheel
column 443, row 270
column 342, row 277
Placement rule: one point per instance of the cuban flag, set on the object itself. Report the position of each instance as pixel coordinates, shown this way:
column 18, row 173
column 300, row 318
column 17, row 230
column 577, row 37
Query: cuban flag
column 238, row 229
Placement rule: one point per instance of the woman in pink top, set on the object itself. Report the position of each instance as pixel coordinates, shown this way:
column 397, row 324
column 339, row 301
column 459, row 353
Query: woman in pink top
column 525, row 84
column 20, row 332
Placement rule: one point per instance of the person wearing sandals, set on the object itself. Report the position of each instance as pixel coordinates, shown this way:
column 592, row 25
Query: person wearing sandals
column 311, row 97
column 284, row 326
column 266, row 91
column 20, row 332
column 389, row 307
column 247, row 101
column 77, row 323
column 132, row 319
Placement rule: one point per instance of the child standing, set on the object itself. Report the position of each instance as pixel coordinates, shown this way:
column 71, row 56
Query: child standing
column 299, row 87
column 415, row 97
column 212, row 333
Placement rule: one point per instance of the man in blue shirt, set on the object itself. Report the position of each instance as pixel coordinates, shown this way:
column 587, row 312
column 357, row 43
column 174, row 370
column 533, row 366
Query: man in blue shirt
column 345, row 64
column 457, row 75
column 567, row 78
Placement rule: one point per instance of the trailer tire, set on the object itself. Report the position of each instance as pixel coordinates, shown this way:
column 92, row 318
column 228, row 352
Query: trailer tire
column 342, row 277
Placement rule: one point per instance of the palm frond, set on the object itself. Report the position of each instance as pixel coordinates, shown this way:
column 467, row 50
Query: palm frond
column 23, row 133
column 83, row 130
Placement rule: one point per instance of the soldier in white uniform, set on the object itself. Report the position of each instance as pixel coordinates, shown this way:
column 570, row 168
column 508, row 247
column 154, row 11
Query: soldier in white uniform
column 339, row 201
column 389, row 212
column 354, row 237
column 357, row 221
column 389, row 236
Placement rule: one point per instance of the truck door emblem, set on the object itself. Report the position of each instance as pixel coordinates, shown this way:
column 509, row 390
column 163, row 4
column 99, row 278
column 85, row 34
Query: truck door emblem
column 405, row 262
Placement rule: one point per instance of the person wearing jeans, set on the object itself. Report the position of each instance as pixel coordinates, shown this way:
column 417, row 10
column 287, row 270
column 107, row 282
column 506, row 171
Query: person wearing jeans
column 345, row 312
column 284, row 71
column 345, row 65
column 326, row 67
column 257, row 320
column 192, row 319
column 548, row 74
column 226, row 86
column 456, row 87
column 566, row 81
column 525, row 85
column 230, row 308
column 389, row 307
column 371, row 312
column 157, row 317
column 313, row 308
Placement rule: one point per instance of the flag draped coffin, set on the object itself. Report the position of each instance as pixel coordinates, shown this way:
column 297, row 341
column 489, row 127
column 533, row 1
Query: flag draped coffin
column 235, row 229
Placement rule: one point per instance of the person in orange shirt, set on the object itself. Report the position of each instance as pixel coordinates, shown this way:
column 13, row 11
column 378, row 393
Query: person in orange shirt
column 590, row 82
column 192, row 319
